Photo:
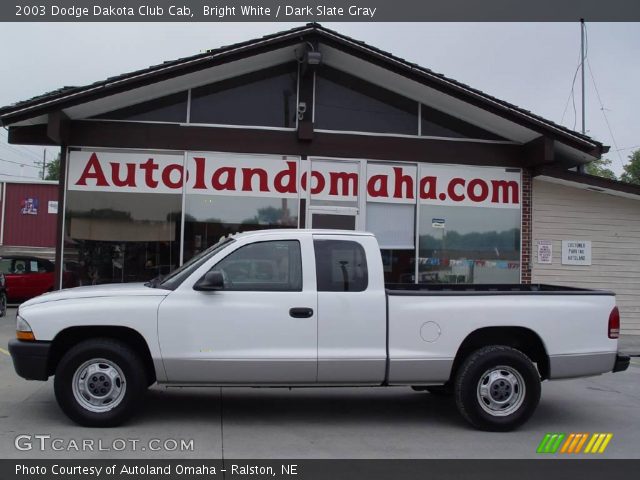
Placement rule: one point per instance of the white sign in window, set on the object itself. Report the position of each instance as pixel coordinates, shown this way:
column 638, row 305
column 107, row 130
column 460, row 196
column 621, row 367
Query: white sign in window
column 545, row 251
column 52, row 206
column 576, row 252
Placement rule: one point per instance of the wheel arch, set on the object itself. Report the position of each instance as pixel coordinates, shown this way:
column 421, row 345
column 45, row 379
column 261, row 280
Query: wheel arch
column 71, row 336
column 520, row 338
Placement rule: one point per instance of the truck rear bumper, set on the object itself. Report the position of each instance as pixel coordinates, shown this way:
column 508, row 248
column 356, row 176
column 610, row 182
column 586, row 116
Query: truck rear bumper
column 30, row 359
column 622, row 363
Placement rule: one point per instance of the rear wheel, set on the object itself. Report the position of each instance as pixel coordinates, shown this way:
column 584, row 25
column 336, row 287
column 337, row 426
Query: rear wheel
column 497, row 388
column 100, row 382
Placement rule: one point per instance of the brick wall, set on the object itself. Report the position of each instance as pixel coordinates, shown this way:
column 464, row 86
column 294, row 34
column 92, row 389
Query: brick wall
column 526, row 225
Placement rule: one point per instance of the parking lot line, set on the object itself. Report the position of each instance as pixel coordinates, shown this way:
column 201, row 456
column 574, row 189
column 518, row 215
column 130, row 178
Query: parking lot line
column 2, row 350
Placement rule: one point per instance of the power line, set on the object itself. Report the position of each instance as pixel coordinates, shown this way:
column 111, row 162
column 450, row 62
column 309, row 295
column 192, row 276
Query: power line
column 17, row 176
column 20, row 149
column 604, row 114
column 20, row 163
column 627, row 148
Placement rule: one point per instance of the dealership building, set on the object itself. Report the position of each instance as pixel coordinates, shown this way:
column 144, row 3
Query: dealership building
column 308, row 128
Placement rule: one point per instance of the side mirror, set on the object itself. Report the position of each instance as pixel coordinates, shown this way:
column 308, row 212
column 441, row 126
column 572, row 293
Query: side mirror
column 211, row 281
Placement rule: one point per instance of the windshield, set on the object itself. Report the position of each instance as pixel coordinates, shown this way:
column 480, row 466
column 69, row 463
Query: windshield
column 175, row 278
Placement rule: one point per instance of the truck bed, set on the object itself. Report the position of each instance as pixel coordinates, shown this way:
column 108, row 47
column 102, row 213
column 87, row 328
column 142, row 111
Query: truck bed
column 438, row 289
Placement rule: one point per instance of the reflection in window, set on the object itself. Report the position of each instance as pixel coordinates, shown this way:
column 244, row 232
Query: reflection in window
column 263, row 266
column 264, row 98
column 345, row 102
column 469, row 245
column 124, row 237
column 210, row 217
column 172, row 108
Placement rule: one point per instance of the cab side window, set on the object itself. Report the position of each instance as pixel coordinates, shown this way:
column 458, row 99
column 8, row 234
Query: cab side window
column 263, row 266
column 341, row 266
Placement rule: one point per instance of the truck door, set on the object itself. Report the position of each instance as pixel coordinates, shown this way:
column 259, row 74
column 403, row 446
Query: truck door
column 351, row 311
column 260, row 329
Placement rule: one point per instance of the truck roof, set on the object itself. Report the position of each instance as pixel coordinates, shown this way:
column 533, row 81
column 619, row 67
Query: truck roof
column 280, row 231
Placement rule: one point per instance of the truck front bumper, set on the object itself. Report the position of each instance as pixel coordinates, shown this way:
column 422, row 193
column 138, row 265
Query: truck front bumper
column 30, row 359
column 622, row 363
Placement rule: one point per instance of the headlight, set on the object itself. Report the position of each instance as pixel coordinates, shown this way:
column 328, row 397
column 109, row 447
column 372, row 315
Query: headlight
column 23, row 329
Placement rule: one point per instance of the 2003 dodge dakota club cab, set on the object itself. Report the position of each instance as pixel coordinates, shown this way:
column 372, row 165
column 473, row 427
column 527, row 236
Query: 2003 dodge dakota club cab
column 310, row 308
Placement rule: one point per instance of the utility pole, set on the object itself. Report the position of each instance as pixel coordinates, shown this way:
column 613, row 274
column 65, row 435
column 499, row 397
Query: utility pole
column 44, row 161
column 582, row 57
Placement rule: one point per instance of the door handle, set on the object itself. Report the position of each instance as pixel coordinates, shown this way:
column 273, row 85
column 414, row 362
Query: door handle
column 301, row 312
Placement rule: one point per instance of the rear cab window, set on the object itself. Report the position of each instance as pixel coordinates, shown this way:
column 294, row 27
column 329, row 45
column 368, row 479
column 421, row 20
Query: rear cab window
column 341, row 266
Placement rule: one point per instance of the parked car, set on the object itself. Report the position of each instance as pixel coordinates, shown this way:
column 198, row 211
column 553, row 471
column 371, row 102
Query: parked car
column 3, row 296
column 292, row 308
column 26, row 277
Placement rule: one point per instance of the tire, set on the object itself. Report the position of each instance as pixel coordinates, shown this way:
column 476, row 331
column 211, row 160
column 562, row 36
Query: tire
column 497, row 388
column 3, row 304
column 100, row 382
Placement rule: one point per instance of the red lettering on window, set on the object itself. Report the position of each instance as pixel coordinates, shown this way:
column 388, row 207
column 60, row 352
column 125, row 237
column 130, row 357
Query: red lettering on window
column 320, row 182
column 505, row 188
column 93, row 169
column 199, row 183
column 247, row 177
column 166, row 176
column 348, row 182
column 289, row 176
column 130, row 179
column 149, row 166
column 484, row 190
column 428, row 188
column 377, row 186
column 401, row 181
column 451, row 189
column 230, row 181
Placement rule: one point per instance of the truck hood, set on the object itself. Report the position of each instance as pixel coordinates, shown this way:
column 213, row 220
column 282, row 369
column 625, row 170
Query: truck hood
column 107, row 290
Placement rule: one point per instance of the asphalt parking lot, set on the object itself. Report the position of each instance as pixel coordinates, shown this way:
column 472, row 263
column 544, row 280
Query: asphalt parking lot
column 222, row 423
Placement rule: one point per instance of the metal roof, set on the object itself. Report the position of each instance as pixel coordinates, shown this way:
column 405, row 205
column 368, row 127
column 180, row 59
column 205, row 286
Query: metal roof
column 68, row 96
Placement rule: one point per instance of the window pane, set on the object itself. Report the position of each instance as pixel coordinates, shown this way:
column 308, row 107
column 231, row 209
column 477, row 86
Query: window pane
column 263, row 266
column 345, row 102
column 172, row 108
column 341, row 266
column 469, row 245
column 329, row 220
column 210, row 217
column 399, row 265
column 123, row 237
column 265, row 98
column 393, row 224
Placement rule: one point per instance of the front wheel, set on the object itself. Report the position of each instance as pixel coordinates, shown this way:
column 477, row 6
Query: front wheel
column 497, row 388
column 100, row 382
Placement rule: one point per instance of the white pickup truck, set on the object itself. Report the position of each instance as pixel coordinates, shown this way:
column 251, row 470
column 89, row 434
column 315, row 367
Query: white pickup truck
column 310, row 308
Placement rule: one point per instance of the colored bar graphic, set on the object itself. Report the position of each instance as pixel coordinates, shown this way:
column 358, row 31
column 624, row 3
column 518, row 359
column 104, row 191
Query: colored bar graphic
column 550, row 443
column 572, row 443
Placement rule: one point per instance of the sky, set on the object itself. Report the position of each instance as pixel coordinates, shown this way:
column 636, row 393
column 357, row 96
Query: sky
column 532, row 65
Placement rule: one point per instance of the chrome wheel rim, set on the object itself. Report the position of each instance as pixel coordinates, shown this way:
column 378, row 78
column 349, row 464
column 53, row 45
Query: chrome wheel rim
column 99, row 385
column 501, row 391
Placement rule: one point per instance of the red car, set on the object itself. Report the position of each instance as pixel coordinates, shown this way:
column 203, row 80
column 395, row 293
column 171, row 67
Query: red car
column 26, row 277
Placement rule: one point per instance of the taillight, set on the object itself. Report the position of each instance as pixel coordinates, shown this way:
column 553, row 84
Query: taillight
column 614, row 323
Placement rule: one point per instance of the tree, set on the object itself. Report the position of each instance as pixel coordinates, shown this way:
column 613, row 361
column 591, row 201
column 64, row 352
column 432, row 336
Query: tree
column 53, row 169
column 631, row 173
column 599, row 168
